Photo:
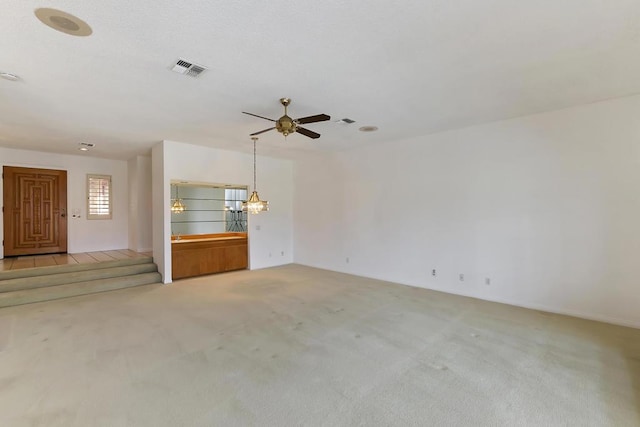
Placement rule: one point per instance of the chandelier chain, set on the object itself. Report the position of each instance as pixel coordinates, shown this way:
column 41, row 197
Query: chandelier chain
column 254, row 164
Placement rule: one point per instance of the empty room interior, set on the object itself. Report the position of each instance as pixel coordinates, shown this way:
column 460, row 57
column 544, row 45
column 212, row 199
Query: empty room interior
column 337, row 214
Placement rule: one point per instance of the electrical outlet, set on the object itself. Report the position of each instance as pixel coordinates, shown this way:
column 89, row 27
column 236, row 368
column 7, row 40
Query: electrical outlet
column 347, row 260
column 269, row 254
column 433, row 272
column 487, row 281
column 461, row 277
column 282, row 253
column 257, row 228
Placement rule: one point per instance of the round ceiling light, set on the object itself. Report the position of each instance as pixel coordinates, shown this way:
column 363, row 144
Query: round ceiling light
column 10, row 77
column 85, row 146
column 63, row 21
column 368, row 128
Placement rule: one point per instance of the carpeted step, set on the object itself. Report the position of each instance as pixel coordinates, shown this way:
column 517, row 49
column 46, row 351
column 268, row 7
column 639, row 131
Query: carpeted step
column 69, row 268
column 63, row 278
column 47, row 293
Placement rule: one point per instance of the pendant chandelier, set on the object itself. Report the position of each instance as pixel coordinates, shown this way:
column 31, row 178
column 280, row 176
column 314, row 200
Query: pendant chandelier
column 177, row 206
column 254, row 204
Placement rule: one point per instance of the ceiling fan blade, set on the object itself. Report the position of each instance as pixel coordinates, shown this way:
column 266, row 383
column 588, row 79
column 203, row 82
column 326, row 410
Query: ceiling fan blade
column 313, row 119
column 307, row 132
column 262, row 131
column 255, row 115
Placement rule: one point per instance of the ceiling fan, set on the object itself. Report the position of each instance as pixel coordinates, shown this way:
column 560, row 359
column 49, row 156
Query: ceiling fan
column 286, row 125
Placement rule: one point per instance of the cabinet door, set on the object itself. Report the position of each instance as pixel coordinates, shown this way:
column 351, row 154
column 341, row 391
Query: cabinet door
column 185, row 263
column 213, row 261
column 196, row 262
column 236, row 257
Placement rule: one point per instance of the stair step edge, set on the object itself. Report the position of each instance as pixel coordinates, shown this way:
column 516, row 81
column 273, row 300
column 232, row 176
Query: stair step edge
column 33, row 282
column 67, row 268
column 50, row 293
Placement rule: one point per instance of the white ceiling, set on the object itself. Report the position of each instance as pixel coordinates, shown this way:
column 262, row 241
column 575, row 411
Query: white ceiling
column 410, row 67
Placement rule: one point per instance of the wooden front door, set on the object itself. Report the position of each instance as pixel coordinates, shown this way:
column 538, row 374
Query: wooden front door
column 35, row 207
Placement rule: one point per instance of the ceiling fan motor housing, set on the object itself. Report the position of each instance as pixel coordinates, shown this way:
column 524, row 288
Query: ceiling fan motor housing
column 285, row 125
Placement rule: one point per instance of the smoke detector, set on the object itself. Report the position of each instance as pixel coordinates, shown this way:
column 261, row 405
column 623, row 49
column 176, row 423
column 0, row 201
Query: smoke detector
column 187, row 68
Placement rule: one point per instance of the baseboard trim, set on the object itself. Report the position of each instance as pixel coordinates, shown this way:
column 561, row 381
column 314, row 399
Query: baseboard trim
column 555, row 310
column 548, row 309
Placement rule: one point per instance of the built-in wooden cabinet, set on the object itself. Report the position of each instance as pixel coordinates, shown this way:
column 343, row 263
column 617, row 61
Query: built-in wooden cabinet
column 196, row 255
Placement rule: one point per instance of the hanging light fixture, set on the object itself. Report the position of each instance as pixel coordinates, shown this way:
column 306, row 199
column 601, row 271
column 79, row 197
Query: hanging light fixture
column 177, row 206
column 254, row 204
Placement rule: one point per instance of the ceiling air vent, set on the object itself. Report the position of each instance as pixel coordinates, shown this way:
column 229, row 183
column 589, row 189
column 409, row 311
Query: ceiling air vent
column 188, row 68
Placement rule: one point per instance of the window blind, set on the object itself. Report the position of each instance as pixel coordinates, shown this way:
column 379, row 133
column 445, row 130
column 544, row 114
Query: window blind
column 98, row 197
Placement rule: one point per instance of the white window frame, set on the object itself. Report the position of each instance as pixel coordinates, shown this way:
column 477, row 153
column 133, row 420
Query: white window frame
column 103, row 214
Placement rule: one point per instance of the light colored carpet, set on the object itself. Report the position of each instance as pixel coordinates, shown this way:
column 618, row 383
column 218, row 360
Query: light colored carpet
column 299, row 346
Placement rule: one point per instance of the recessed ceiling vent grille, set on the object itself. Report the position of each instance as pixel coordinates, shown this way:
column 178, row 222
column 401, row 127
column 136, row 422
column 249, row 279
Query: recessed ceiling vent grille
column 187, row 68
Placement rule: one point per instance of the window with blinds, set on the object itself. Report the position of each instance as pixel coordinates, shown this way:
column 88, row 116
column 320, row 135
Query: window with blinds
column 99, row 197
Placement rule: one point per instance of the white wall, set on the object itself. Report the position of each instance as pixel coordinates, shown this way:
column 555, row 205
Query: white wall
column 132, row 173
column 140, row 208
column 161, row 216
column 270, row 234
column 546, row 206
column 83, row 235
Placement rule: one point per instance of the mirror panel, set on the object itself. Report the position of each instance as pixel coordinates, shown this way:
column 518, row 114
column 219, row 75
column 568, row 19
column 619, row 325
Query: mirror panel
column 208, row 209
